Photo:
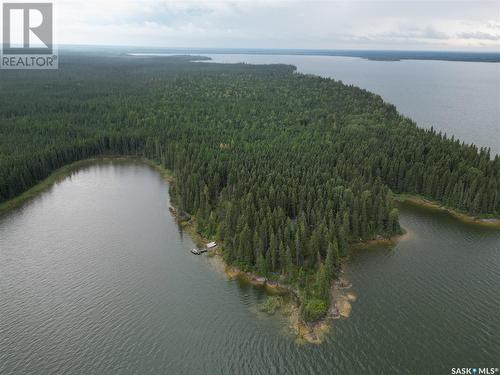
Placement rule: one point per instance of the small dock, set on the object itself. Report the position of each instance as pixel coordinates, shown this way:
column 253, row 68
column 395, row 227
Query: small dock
column 209, row 246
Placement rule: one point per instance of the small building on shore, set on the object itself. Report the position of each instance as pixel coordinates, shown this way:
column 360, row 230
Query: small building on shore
column 211, row 245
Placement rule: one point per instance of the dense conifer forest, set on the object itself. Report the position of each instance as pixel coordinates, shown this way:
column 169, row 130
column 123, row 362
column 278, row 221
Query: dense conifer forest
column 286, row 169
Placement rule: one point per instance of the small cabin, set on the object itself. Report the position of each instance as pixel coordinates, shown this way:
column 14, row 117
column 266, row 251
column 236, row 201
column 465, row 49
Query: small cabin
column 211, row 245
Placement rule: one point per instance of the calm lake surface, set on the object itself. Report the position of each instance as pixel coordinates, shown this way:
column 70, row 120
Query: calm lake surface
column 97, row 278
column 457, row 98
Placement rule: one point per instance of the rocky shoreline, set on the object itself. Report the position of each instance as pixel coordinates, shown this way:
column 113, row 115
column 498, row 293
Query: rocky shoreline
column 309, row 332
column 306, row 332
column 341, row 300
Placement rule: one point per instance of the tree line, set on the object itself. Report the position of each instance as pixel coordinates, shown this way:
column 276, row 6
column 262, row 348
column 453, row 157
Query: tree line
column 286, row 169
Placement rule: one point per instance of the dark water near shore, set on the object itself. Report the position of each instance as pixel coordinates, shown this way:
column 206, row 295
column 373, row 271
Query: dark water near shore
column 96, row 278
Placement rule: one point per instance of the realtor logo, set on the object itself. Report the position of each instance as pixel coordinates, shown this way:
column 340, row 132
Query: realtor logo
column 28, row 36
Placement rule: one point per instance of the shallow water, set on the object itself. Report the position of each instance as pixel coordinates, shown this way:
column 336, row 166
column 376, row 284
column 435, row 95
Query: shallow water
column 97, row 278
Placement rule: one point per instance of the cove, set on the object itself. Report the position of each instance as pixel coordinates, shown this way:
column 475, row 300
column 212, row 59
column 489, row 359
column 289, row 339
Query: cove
column 97, row 277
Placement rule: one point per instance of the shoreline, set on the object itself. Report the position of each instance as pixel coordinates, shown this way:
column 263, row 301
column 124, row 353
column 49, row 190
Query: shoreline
column 309, row 332
column 340, row 306
column 383, row 241
column 67, row 170
column 306, row 332
column 419, row 201
column 313, row 332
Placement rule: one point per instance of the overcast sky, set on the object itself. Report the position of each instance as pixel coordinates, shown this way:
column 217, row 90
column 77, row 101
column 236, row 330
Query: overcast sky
column 401, row 24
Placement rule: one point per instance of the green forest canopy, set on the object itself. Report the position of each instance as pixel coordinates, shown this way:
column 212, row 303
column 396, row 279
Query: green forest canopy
column 285, row 168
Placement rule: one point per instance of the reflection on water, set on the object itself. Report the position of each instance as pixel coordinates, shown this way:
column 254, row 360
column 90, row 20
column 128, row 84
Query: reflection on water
column 95, row 278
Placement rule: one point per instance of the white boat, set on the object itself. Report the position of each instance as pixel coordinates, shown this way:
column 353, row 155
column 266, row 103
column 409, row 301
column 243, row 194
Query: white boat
column 211, row 245
column 196, row 251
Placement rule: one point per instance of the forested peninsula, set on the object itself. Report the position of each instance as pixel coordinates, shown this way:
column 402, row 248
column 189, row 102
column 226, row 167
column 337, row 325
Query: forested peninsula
column 285, row 169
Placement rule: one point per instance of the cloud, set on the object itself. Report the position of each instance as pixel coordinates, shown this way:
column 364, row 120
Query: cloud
column 479, row 36
column 410, row 33
column 281, row 23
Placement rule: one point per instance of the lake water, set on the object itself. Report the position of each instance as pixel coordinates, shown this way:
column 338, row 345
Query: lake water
column 97, row 278
column 457, row 98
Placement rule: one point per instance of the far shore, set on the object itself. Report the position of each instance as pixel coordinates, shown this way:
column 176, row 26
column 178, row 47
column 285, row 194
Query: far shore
column 415, row 200
column 65, row 171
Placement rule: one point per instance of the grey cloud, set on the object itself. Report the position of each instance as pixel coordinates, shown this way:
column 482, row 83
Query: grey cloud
column 478, row 35
column 287, row 24
column 408, row 32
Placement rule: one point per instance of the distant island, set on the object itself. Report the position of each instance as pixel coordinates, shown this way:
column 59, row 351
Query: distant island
column 379, row 55
column 285, row 171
